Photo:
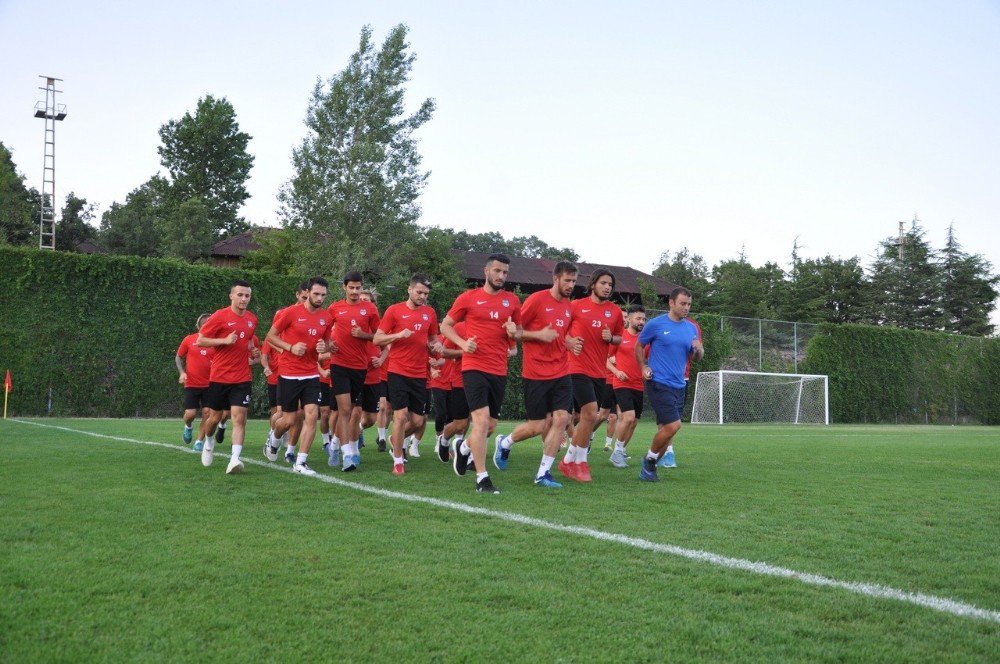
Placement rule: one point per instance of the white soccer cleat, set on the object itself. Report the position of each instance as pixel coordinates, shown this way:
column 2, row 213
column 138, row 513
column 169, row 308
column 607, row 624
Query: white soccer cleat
column 415, row 449
column 235, row 467
column 304, row 469
column 208, row 453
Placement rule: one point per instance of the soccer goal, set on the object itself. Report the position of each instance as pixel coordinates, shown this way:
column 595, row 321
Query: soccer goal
column 746, row 396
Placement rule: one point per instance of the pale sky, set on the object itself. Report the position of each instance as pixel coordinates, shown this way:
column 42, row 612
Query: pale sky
column 619, row 131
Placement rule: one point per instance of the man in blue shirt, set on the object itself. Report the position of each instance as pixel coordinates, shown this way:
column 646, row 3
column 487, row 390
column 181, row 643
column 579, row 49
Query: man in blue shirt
column 671, row 339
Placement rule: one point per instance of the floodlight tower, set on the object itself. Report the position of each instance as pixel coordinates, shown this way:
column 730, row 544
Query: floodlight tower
column 50, row 112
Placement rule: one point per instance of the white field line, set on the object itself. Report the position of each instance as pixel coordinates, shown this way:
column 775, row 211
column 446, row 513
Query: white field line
column 941, row 604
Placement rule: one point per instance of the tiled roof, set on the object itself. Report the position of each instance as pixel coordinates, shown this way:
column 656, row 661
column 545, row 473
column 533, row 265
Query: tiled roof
column 237, row 245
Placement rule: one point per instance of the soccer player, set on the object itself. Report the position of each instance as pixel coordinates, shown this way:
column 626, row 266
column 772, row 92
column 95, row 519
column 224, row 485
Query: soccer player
column 457, row 405
column 492, row 319
column 608, row 408
column 230, row 331
column 668, row 460
column 440, row 386
column 273, row 358
column 302, row 332
column 373, row 392
column 671, row 339
column 194, row 364
column 546, row 318
column 597, row 324
column 411, row 327
column 627, row 383
column 354, row 325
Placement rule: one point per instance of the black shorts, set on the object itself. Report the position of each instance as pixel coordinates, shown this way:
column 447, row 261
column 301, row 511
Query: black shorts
column 371, row 395
column 629, row 400
column 484, row 390
column 408, row 393
column 195, row 398
column 608, row 400
column 586, row 390
column 542, row 397
column 667, row 402
column 272, row 396
column 458, row 404
column 326, row 395
column 295, row 393
column 348, row 381
column 440, row 399
column 223, row 396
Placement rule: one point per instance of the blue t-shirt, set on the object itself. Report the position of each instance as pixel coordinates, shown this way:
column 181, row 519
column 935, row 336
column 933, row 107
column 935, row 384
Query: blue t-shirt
column 669, row 346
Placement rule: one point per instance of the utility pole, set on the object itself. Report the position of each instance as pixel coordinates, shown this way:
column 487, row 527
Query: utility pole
column 901, row 241
column 50, row 112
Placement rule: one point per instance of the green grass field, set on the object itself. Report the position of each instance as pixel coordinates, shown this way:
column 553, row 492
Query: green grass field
column 113, row 550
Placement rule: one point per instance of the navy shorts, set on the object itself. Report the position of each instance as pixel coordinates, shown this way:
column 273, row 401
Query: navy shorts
column 667, row 402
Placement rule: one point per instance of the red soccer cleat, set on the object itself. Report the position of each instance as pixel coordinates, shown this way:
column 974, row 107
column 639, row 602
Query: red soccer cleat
column 582, row 471
column 567, row 469
column 398, row 469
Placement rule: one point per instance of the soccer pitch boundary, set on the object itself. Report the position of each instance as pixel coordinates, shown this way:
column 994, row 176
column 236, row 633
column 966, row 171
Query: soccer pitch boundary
column 874, row 590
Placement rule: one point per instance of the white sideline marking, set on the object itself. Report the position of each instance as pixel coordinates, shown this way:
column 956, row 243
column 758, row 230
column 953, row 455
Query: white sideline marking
column 941, row 604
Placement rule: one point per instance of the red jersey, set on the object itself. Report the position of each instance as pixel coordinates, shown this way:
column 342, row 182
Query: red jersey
column 545, row 361
column 325, row 364
column 352, row 352
column 374, row 376
column 687, row 369
column 409, row 356
column 456, row 364
column 485, row 316
column 589, row 320
column 295, row 324
column 197, row 361
column 273, row 355
column 624, row 354
column 231, row 364
column 443, row 381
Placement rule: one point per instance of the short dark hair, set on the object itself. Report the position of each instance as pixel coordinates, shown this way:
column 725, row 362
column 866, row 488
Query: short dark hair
column 564, row 267
column 240, row 282
column 635, row 309
column 597, row 275
column 317, row 281
column 198, row 323
column 420, row 278
column 500, row 258
column 304, row 286
column 680, row 290
column 353, row 276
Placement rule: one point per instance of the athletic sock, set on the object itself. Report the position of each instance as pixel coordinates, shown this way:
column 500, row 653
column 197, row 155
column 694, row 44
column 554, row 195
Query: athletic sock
column 506, row 442
column 237, row 450
column 348, row 449
column 650, row 455
column 591, row 437
column 608, row 440
column 581, row 455
column 573, row 453
column 397, row 460
column 481, row 476
column 381, row 433
column 545, row 466
column 334, row 440
column 464, row 448
column 327, row 438
column 619, row 445
column 222, row 425
column 301, row 458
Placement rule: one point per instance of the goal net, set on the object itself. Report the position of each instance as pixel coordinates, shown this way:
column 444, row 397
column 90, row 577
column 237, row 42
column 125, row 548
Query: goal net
column 745, row 396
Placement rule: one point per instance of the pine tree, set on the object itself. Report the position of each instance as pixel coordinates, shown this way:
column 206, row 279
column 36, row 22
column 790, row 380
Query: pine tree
column 905, row 291
column 968, row 289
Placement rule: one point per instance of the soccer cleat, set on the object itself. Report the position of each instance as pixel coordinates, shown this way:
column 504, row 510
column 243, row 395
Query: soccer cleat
column 461, row 461
column 303, row 468
column 485, row 485
column 583, row 472
column 568, row 469
column 547, row 481
column 186, row 436
column 647, row 473
column 444, row 452
column 500, row 455
column 349, row 465
column 415, row 449
column 220, row 435
column 618, row 459
column 667, row 460
column 270, row 453
column 207, row 456
column 380, row 444
column 235, row 467
column 398, row 469
column 334, row 456
column 356, row 460
column 290, row 457
column 198, row 445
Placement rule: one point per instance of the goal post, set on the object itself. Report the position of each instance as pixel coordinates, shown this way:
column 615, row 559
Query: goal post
column 752, row 397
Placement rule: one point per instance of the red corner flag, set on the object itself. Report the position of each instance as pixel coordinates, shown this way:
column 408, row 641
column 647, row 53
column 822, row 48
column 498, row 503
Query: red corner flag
column 8, row 384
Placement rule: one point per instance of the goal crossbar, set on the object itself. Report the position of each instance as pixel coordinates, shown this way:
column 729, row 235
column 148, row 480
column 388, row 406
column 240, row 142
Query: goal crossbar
column 751, row 396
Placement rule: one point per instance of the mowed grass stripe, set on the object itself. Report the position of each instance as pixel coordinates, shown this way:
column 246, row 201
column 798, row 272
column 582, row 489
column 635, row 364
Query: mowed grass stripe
column 944, row 605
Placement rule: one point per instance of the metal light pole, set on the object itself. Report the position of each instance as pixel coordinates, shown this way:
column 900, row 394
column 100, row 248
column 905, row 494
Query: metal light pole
column 50, row 112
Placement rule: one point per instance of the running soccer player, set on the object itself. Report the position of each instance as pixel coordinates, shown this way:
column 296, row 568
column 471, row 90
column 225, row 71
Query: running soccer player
column 457, row 405
column 597, row 324
column 627, row 383
column 273, row 359
column 354, row 325
column 671, row 339
column 302, row 331
column 411, row 327
column 230, row 331
column 194, row 364
column 492, row 318
column 546, row 317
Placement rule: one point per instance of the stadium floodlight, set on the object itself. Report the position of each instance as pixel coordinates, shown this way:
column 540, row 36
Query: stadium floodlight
column 722, row 397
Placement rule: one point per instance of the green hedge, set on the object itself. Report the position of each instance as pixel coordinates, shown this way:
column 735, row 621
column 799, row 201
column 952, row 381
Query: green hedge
column 102, row 331
column 890, row 375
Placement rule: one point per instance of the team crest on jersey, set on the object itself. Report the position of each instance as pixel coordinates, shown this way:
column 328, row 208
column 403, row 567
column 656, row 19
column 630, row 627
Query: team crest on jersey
column 566, row 312
column 607, row 313
column 364, row 312
column 322, row 321
column 249, row 323
column 425, row 316
column 506, row 303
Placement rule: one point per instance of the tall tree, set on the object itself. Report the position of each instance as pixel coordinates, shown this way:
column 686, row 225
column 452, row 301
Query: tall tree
column 353, row 197
column 528, row 246
column 905, row 291
column 206, row 156
column 968, row 289
column 19, row 206
column 686, row 269
column 186, row 231
column 74, row 224
column 134, row 227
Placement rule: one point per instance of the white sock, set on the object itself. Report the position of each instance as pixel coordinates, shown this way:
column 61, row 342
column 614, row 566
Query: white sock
column 608, row 440
column 464, row 448
column 591, row 436
column 581, row 454
column 301, row 458
column 349, row 449
column 327, row 438
column 397, row 460
column 381, row 433
column 506, row 442
column 222, row 425
column 237, row 450
column 545, row 466
column 619, row 445
column 651, row 455
column 573, row 453
column 481, row 476
column 187, row 427
column 334, row 440
column 270, row 438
